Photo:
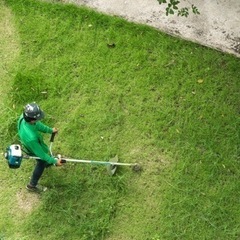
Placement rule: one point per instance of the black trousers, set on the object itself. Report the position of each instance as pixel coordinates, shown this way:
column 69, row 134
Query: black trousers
column 38, row 171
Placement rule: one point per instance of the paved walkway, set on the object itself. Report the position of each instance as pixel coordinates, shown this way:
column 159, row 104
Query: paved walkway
column 218, row 25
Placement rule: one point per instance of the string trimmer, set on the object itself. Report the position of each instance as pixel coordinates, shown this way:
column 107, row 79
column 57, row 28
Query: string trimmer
column 111, row 164
column 14, row 157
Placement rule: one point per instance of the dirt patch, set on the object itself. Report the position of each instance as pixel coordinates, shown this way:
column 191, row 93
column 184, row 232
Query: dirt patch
column 26, row 201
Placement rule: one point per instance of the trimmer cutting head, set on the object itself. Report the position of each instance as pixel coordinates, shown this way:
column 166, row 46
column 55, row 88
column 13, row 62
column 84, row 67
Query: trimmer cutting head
column 111, row 168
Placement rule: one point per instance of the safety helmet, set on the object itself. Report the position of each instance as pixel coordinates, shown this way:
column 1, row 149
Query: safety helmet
column 33, row 111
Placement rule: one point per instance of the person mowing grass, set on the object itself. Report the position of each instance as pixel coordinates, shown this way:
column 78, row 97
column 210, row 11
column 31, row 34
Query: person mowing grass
column 29, row 130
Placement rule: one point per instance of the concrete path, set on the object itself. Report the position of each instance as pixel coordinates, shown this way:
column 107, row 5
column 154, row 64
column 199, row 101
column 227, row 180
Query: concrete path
column 218, row 25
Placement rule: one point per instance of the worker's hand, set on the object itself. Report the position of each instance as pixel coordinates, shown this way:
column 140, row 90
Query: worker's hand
column 55, row 130
column 59, row 162
column 59, row 159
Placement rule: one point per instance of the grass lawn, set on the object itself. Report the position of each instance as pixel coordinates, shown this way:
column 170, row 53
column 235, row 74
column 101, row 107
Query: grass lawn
column 114, row 87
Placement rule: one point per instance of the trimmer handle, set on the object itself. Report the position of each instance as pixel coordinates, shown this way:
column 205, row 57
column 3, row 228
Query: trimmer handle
column 52, row 137
column 63, row 161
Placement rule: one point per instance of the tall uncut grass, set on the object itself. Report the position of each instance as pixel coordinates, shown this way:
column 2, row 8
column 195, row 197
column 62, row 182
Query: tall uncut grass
column 113, row 87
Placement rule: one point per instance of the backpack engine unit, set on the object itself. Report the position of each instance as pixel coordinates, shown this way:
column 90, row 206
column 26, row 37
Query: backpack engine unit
column 14, row 156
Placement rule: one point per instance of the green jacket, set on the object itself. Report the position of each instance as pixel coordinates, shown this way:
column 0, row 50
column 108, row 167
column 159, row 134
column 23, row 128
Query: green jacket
column 32, row 140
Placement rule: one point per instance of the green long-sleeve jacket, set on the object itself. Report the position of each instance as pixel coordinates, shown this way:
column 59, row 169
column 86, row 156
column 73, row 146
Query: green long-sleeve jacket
column 32, row 140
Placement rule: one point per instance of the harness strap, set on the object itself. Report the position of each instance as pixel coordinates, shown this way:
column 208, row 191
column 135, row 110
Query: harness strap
column 27, row 151
column 19, row 125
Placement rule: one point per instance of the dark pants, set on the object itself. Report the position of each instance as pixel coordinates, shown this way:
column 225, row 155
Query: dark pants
column 38, row 171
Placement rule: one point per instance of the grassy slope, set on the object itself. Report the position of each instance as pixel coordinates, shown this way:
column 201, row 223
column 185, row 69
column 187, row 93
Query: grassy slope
column 9, row 50
column 153, row 99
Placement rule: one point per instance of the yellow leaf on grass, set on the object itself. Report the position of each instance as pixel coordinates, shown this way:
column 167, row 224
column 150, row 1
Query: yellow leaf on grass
column 200, row 80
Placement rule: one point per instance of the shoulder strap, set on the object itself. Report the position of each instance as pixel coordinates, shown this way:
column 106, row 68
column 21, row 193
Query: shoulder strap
column 27, row 151
column 19, row 124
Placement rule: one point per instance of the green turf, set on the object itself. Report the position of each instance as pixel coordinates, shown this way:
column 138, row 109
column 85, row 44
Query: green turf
column 113, row 87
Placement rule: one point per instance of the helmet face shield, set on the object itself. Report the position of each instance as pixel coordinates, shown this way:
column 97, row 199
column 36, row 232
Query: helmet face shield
column 32, row 110
column 40, row 115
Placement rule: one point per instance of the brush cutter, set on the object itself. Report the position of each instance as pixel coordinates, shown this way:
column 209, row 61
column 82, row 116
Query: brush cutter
column 14, row 157
column 111, row 164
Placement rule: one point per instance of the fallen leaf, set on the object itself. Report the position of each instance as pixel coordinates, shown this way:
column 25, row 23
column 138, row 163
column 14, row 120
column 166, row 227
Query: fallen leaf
column 200, row 81
column 111, row 45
